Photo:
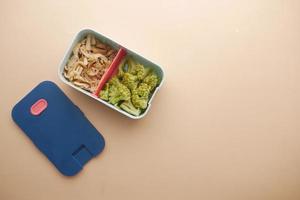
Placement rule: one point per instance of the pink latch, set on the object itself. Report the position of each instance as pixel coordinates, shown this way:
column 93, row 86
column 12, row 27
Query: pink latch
column 38, row 107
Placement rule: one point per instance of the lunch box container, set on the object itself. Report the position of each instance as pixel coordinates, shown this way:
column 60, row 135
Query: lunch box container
column 122, row 52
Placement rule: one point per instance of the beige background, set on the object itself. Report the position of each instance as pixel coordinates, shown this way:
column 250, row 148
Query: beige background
column 225, row 124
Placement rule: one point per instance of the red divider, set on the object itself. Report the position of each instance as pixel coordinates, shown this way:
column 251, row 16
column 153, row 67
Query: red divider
column 110, row 71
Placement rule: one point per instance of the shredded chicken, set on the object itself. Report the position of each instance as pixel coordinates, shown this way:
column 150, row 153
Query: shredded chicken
column 88, row 63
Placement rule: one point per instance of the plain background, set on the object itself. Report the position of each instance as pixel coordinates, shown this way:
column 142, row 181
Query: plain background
column 224, row 126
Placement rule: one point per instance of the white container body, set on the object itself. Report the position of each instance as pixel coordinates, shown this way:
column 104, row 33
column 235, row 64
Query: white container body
column 78, row 37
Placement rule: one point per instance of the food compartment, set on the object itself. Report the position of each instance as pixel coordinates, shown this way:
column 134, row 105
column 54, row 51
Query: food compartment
column 89, row 59
column 132, row 85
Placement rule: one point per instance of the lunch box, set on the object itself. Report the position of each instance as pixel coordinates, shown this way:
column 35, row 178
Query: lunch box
column 122, row 52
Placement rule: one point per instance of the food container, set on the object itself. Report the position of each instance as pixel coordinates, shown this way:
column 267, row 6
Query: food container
column 140, row 59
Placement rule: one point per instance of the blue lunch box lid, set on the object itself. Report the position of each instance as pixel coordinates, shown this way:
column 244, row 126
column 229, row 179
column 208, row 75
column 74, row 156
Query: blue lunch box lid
column 58, row 128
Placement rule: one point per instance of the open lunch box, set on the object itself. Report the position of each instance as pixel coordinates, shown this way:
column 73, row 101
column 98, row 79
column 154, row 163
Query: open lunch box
column 119, row 58
column 101, row 69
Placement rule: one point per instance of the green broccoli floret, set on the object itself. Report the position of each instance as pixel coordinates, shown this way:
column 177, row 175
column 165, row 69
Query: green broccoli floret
column 129, row 80
column 151, row 80
column 137, row 69
column 128, row 107
column 143, row 90
column 142, row 72
column 131, row 65
column 104, row 93
column 131, row 87
column 140, row 96
column 117, row 91
column 114, row 81
column 139, row 102
column 121, row 70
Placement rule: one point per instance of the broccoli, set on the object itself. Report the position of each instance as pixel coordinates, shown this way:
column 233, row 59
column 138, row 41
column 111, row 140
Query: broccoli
column 143, row 90
column 131, row 66
column 140, row 96
column 104, row 93
column 117, row 91
column 137, row 69
column 129, row 80
column 139, row 102
column 114, row 81
column 121, row 69
column 143, row 72
column 151, row 80
column 131, row 87
column 128, row 107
